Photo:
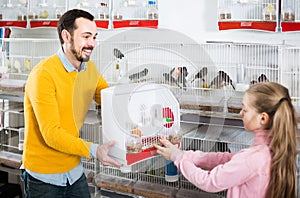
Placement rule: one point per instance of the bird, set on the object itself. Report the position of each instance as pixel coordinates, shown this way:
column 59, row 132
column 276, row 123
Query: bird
column 201, row 74
column 222, row 79
column 138, row 75
column 216, row 82
column 178, row 76
column 226, row 79
column 27, row 64
column 252, row 82
column 182, row 77
column 168, row 78
column 17, row 65
column 262, row 78
column 118, row 54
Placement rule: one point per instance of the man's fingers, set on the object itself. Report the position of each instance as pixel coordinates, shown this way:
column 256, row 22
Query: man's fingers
column 111, row 143
column 111, row 162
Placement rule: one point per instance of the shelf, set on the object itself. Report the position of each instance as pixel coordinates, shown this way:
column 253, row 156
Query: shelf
column 54, row 23
column 212, row 119
column 43, row 23
column 14, row 98
column 290, row 26
column 17, row 110
column 102, row 24
column 135, row 23
column 8, row 23
column 10, row 129
column 250, row 25
column 99, row 23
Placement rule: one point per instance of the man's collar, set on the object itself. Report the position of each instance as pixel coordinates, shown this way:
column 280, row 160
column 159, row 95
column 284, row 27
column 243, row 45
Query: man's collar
column 67, row 64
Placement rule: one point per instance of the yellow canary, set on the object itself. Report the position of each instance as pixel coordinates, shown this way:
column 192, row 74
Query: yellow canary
column 205, row 85
column 27, row 64
column 44, row 14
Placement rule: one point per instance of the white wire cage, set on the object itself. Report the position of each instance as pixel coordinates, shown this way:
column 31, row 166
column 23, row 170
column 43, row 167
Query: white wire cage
column 248, row 10
column 11, row 124
column 289, row 58
column 18, row 57
column 290, row 10
column 206, row 77
column 91, row 131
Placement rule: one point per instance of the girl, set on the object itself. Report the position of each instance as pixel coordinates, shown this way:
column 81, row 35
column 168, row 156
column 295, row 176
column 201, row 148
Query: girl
column 267, row 169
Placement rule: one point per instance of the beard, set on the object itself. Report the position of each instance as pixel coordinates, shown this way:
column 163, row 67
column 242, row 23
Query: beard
column 78, row 54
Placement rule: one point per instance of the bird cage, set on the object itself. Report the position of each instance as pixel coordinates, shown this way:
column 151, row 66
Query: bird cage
column 248, row 14
column 139, row 114
column 90, row 131
column 18, row 57
column 290, row 77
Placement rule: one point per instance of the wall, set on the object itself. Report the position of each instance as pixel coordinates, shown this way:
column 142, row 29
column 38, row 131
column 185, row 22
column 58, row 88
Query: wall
column 190, row 17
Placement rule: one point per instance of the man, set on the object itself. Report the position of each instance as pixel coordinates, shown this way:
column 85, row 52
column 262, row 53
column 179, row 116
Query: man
column 58, row 94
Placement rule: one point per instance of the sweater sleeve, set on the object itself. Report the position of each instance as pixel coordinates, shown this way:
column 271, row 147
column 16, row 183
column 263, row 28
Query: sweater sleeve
column 216, row 179
column 208, row 160
column 102, row 84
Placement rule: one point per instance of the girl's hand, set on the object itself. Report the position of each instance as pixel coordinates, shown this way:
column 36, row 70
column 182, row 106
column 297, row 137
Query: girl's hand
column 168, row 150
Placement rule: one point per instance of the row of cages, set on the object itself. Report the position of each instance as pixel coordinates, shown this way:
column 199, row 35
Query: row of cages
column 270, row 11
column 22, row 11
column 266, row 10
column 208, row 77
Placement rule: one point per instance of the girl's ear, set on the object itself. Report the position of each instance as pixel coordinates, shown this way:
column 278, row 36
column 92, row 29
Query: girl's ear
column 264, row 119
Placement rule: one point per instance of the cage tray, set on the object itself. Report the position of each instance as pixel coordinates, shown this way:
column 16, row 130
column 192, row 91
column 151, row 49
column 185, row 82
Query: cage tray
column 114, row 183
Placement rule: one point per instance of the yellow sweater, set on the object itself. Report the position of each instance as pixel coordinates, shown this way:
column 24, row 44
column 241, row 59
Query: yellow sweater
column 55, row 105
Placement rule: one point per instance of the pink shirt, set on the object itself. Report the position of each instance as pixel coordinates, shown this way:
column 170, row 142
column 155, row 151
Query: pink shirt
column 245, row 173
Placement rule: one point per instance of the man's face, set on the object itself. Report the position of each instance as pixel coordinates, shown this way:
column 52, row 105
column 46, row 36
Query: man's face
column 82, row 42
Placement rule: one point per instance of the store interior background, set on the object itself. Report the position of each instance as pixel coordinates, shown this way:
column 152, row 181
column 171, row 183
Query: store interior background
column 193, row 18
column 197, row 19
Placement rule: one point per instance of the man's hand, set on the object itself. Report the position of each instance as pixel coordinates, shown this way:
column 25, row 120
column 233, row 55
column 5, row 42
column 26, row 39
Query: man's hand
column 168, row 150
column 102, row 155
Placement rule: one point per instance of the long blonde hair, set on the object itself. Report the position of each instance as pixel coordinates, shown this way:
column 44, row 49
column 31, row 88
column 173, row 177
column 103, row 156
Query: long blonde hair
column 274, row 99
